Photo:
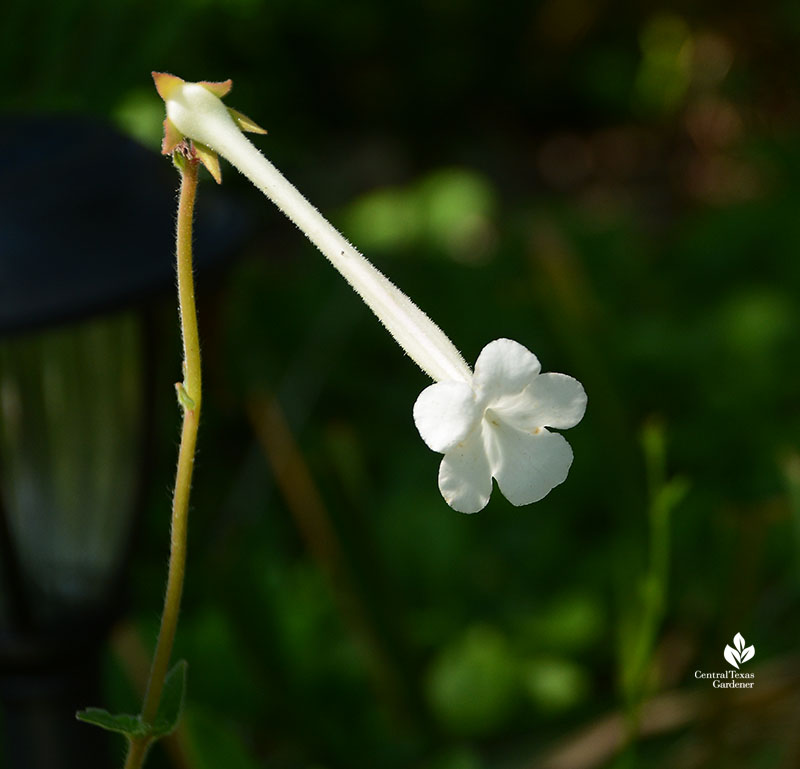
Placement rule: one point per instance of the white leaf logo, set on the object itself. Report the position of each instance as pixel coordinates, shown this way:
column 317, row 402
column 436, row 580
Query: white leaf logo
column 732, row 656
column 736, row 656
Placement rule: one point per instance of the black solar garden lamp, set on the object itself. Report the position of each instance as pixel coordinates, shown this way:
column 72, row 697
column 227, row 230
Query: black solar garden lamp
column 86, row 245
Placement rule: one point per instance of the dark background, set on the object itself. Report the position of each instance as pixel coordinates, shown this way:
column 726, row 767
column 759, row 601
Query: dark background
column 616, row 186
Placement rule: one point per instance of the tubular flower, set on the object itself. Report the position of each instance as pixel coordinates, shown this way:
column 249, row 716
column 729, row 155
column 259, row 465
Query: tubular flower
column 487, row 424
column 496, row 427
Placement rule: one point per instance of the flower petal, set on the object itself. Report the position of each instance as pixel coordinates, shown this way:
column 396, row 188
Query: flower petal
column 527, row 465
column 504, row 367
column 550, row 400
column 465, row 478
column 445, row 414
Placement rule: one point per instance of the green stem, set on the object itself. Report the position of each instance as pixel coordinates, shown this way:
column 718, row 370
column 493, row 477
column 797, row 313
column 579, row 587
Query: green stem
column 192, row 388
column 137, row 750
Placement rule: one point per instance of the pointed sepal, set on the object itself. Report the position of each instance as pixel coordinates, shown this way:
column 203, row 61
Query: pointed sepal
column 166, row 83
column 172, row 137
column 219, row 89
column 209, row 159
column 245, row 123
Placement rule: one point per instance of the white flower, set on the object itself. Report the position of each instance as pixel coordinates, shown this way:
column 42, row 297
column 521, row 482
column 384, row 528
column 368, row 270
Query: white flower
column 488, row 424
column 495, row 427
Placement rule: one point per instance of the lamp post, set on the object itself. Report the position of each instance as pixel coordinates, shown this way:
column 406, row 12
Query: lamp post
column 86, row 232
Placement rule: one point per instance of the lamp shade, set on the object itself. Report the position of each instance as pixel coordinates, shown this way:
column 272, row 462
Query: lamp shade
column 87, row 221
column 71, row 423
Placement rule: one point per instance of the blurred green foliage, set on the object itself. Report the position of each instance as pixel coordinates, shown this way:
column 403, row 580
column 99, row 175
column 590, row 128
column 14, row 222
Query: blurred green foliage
column 615, row 186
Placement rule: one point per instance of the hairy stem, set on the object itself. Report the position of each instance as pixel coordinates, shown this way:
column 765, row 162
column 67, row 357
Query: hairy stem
column 190, row 393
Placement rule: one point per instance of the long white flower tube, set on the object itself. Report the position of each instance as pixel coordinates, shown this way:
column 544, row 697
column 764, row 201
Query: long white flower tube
column 200, row 115
column 490, row 424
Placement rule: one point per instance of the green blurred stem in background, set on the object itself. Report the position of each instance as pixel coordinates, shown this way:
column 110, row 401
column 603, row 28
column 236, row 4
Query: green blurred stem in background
column 644, row 615
column 189, row 396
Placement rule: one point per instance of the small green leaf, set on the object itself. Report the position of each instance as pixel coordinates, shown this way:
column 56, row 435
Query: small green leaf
column 172, row 699
column 130, row 726
column 183, row 397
